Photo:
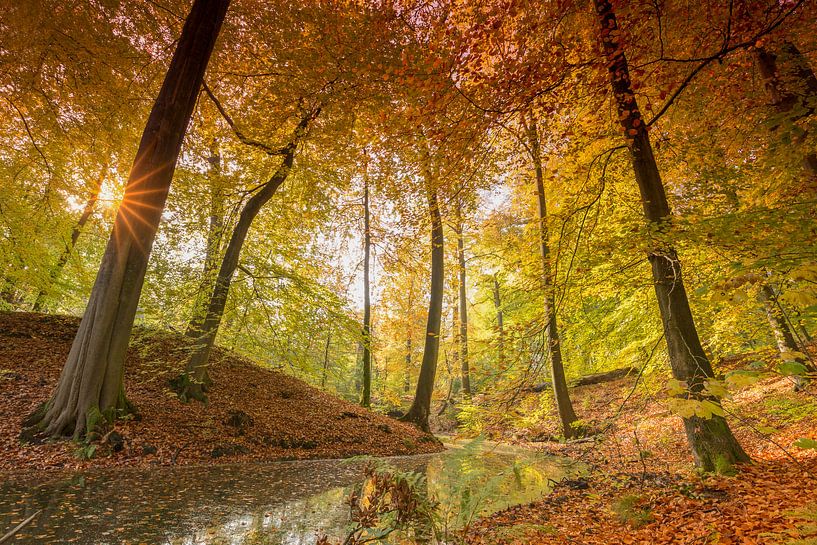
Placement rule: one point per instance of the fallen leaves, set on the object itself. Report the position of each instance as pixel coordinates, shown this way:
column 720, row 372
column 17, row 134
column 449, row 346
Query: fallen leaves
column 285, row 417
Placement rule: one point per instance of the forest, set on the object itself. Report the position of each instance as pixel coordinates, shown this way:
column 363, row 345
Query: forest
column 544, row 271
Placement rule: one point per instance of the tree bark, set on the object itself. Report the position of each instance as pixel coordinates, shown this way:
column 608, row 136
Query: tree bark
column 409, row 330
column 194, row 381
column 326, row 358
column 463, row 337
column 367, row 305
column 784, row 337
column 420, row 408
column 500, row 324
column 92, row 378
column 76, row 231
column 557, row 372
column 714, row 447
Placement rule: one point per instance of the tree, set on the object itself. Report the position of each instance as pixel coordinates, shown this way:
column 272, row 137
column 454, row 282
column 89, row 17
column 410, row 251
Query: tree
column 713, row 445
column 91, row 383
column 557, row 372
column 215, row 228
column 793, row 87
column 76, row 231
column 367, row 304
column 420, row 408
column 463, row 304
column 193, row 382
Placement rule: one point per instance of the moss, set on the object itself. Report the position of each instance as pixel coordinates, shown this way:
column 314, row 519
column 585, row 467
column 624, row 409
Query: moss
column 631, row 511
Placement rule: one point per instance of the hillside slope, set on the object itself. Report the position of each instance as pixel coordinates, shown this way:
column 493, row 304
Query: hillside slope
column 254, row 413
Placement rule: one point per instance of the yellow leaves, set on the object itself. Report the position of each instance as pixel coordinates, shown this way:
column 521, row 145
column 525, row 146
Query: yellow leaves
column 676, row 387
column 702, row 408
column 800, row 298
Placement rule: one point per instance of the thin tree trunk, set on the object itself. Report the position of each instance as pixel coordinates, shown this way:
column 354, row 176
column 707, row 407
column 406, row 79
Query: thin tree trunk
column 713, row 445
column 407, row 382
column 76, row 231
column 193, row 382
column 557, row 371
column 326, row 358
column 784, row 337
column 215, row 230
column 92, row 379
column 463, row 337
column 409, row 330
column 367, row 305
column 500, row 324
column 420, row 408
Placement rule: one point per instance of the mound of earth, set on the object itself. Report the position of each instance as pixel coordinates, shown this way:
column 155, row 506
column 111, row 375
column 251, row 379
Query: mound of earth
column 253, row 413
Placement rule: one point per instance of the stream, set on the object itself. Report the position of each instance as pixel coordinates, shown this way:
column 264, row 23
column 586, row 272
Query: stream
column 277, row 503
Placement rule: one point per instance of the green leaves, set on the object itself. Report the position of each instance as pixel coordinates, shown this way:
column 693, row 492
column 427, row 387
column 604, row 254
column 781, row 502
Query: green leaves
column 741, row 378
column 792, row 369
column 805, row 443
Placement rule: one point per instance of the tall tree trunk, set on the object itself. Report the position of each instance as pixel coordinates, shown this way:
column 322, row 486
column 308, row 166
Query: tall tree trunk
column 407, row 381
column 500, row 324
column 784, row 337
column 367, row 305
column 193, row 382
column 713, row 445
column 799, row 100
column 557, row 371
column 463, row 337
column 420, row 408
column 326, row 358
column 76, row 231
column 215, row 230
column 92, row 379
column 409, row 331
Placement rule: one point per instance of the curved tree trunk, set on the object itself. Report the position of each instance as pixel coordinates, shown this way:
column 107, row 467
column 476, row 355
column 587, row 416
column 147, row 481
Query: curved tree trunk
column 420, row 409
column 193, row 382
column 463, row 336
column 557, row 371
column 367, row 305
column 76, row 231
column 91, row 381
column 713, row 445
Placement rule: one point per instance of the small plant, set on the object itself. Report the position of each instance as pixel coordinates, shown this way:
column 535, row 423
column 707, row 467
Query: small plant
column 86, row 451
column 630, row 510
column 389, row 500
column 471, row 419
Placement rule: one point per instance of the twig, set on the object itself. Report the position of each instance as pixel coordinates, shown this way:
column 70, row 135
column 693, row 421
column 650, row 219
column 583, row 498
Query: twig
column 11, row 533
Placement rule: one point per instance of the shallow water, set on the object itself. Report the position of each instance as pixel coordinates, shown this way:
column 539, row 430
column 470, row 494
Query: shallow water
column 280, row 503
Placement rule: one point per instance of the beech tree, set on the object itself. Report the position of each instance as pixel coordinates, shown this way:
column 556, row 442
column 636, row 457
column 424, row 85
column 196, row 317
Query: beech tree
column 91, row 381
column 557, row 372
column 420, row 408
column 193, row 383
column 367, row 303
column 710, row 437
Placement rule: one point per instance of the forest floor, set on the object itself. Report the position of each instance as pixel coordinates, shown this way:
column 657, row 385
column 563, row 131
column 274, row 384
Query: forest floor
column 642, row 490
column 253, row 413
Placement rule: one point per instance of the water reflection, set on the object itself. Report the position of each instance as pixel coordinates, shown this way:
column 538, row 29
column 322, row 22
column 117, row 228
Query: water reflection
column 282, row 503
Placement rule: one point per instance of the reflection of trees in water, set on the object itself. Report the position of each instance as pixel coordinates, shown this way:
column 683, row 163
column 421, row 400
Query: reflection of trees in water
column 292, row 523
column 265, row 504
column 172, row 504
